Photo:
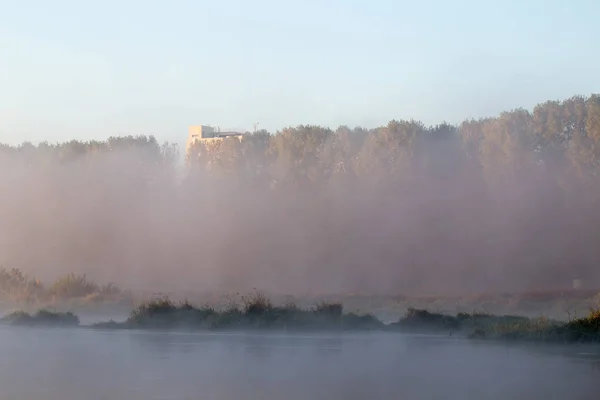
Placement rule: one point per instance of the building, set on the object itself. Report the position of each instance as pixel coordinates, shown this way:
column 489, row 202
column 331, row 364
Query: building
column 207, row 134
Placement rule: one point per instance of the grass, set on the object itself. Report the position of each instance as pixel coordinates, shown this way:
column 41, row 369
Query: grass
column 19, row 289
column 78, row 292
column 258, row 312
column 43, row 317
column 579, row 330
column 556, row 304
column 255, row 312
column 505, row 327
column 423, row 321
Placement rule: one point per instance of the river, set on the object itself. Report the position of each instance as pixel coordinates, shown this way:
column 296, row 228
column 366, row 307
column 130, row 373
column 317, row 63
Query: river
column 74, row 364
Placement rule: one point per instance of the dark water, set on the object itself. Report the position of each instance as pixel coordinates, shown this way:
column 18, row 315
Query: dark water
column 84, row 364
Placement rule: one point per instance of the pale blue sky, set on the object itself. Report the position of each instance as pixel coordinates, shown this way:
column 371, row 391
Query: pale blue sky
column 91, row 69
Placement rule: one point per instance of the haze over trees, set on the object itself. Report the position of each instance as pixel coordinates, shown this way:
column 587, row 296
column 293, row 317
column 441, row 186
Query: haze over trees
column 495, row 204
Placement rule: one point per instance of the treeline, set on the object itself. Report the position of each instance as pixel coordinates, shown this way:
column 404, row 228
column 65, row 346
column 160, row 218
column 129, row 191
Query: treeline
column 504, row 203
column 556, row 135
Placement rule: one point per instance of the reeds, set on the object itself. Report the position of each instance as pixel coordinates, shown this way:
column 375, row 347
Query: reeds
column 255, row 311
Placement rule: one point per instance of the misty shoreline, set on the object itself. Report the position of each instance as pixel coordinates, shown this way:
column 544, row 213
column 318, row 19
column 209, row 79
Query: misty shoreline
column 496, row 205
column 99, row 302
column 257, row 314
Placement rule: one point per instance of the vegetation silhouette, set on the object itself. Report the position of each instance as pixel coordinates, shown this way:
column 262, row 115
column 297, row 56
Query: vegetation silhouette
column 257, row 313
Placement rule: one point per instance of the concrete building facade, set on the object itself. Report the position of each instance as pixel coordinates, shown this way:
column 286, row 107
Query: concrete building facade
column 207, row 134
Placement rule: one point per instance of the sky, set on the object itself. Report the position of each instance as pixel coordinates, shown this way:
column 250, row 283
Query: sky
column 72, row 69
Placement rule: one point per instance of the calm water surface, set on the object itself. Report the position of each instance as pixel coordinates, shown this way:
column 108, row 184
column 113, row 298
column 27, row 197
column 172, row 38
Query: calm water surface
column 85, row 364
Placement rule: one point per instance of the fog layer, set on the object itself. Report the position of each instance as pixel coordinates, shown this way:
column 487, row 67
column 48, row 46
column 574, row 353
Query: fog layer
column 505, row 203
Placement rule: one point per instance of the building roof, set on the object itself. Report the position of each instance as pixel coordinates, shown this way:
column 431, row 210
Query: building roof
column 229, row 133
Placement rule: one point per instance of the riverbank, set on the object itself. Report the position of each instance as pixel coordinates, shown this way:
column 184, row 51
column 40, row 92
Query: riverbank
column 258, row 313
column 96, row 301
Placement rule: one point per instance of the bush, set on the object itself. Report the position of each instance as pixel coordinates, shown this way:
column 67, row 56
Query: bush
column 19, row 288
column 585, row 329
column 72, row 286
column 152, row 309
column 16, row 286
column 256, row 304
column 259, row 313
column 42, row 318
column 416, row 319
column 333, row 310
column 163, row 313
column 256, row 312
